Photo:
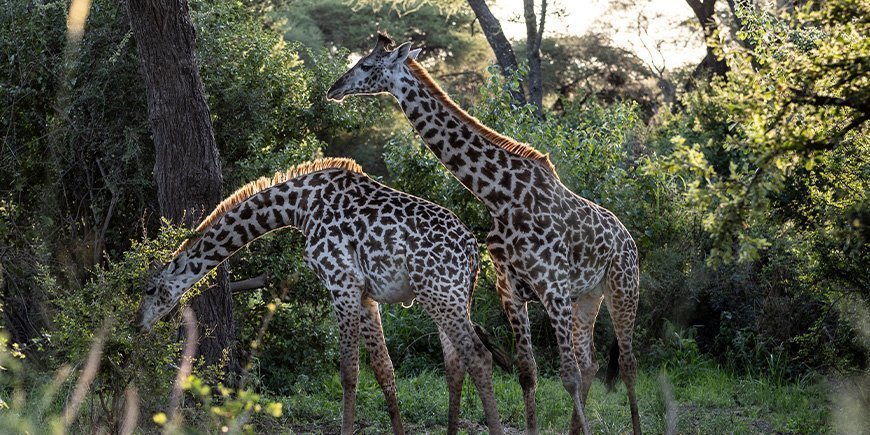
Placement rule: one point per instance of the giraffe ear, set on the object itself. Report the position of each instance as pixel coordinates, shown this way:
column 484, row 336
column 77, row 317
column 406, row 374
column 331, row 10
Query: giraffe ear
column 413, row 53
column 401, row 53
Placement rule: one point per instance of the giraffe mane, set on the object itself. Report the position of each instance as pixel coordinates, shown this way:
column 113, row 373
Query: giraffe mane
column 262, row 183
column 506, row 143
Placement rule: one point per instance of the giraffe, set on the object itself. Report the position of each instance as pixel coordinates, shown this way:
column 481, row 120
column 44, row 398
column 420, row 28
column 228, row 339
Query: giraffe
column 368, row 244
column 547, row 244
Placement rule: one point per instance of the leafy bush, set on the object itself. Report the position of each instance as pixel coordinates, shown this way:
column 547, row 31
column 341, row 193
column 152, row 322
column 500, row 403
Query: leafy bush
column 765, row 162
column 77, row 159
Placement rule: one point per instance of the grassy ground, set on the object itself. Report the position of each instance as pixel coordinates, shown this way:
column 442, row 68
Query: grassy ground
column 706, row 400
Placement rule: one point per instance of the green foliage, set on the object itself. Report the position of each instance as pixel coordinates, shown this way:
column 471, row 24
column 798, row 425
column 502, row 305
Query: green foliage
column 347, row 23
column 441, row 29
column 266, row 95
column 791, row 111
column 111, row 297
column 592, row 65
column 770, row 164
column 227, row 409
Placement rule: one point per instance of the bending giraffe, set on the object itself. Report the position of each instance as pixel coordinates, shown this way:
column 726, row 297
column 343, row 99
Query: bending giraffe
column 368, row 244
column 547, row 244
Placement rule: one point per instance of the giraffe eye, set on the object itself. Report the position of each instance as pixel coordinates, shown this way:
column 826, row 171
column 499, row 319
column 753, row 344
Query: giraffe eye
column 150, row 290
column 366, row 66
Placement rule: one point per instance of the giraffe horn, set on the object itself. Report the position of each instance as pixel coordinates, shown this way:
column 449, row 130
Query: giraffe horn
column 384, row 41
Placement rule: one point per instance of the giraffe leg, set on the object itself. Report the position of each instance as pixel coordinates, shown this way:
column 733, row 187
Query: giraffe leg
column 346, row 304
column 382, row 365
column 527, row 369
column 455, row 376
column 453, row 320
column 585, row 312
column 558, row 308
column 622, row 299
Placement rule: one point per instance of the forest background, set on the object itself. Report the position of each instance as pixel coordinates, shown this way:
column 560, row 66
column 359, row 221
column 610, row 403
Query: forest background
column 742, row 176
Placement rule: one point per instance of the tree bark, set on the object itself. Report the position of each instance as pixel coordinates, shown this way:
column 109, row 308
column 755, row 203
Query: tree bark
column 186, row 168
column 705, row 12
column 534, row 34
column 504, row 53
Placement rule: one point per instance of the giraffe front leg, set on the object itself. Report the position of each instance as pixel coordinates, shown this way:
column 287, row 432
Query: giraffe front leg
column 382, row 365
column 518, row 316
column 558, row 307
column 346, row 304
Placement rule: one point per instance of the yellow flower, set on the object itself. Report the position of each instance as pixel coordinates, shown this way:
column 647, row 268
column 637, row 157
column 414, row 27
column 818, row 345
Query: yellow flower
column 274, row 408
column 159, row 418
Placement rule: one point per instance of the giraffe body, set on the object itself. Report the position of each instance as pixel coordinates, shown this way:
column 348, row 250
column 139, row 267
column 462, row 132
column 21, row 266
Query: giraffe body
column 368, row 244
column 547, row 244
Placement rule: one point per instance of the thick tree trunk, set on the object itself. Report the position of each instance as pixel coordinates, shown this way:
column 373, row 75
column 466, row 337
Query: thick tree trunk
column 705, row 12
column 504, row 53
column 534, row 35
column 187, row 168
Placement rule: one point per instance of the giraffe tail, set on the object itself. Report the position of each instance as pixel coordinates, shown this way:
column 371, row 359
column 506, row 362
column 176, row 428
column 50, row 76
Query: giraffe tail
column 612, row 365
column 499, row 356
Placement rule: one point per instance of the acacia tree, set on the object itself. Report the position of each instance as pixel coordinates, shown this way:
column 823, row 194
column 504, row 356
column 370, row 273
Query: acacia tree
column 787, row 135
column 187, row 168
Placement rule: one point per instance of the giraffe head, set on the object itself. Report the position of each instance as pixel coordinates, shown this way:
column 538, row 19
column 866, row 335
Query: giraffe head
column 376, row 72
column 163, row 290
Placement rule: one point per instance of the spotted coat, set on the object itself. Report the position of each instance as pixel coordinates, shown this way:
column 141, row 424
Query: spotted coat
column 548, row 244
column 368, row 244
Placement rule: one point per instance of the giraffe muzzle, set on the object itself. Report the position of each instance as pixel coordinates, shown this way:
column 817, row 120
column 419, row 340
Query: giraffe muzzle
column 335, row 92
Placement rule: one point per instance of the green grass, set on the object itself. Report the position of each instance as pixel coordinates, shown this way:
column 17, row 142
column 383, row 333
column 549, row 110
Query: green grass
column 708, row 400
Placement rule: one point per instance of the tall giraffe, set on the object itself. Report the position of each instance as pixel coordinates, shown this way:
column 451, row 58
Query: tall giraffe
column 547, row 244
column 368, row 244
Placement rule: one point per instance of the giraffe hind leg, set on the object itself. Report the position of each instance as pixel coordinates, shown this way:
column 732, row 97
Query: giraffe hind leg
column 455, row 374
column 452, row 319
column 585, row 312
column 518, row 317
column 558, row 307
column 621, row 298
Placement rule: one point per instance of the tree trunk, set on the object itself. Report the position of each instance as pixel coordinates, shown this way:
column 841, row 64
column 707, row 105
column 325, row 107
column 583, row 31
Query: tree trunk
column 504, row 53
column 534, row 34
column 705, row 12
column 186, row 168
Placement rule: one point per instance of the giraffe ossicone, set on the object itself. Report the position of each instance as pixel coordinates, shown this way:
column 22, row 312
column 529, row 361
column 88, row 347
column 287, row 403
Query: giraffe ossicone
column 368, row 244
column 547, row 244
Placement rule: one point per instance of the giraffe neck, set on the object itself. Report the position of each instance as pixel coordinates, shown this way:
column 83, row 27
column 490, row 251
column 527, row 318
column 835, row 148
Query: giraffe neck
column 496, row 169
column 466, row 147
column 292, row 203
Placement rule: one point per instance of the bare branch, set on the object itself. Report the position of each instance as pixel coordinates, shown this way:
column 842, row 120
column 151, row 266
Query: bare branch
column 254, row 283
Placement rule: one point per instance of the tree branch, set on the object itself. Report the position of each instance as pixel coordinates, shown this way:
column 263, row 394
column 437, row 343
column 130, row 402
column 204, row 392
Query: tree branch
column 534, row 34
column 254, row 283
column 504, row 53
